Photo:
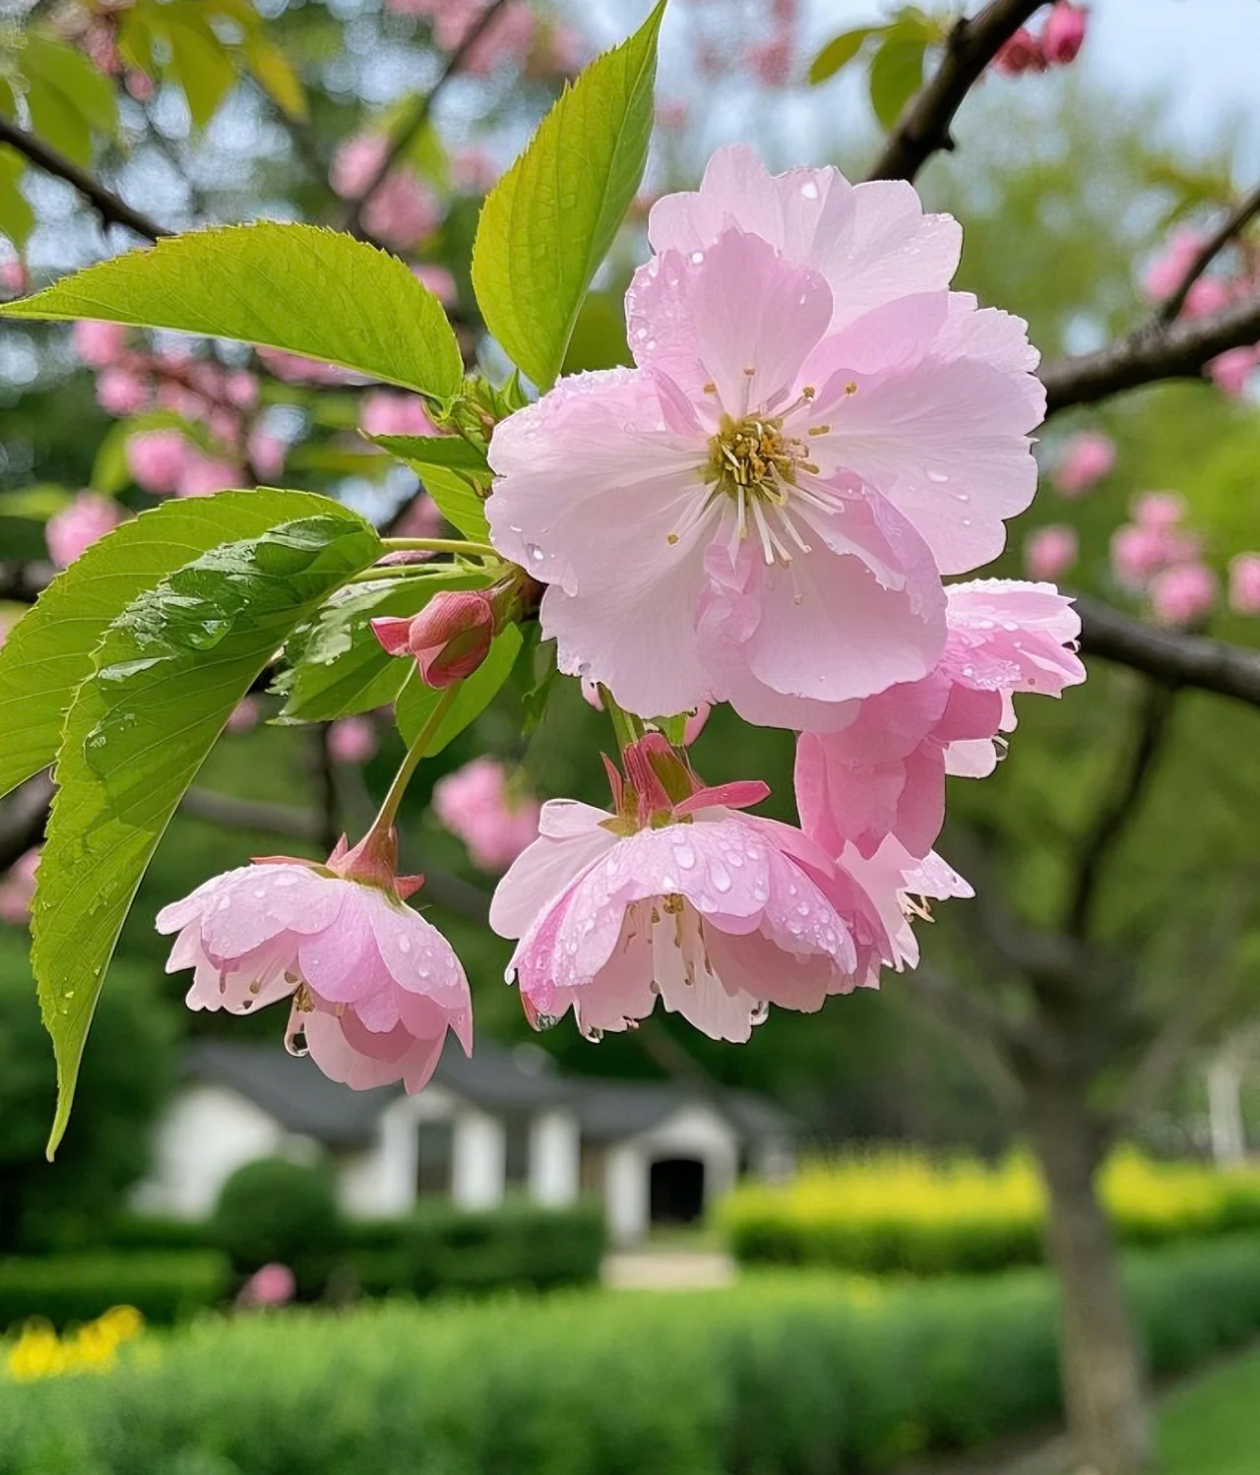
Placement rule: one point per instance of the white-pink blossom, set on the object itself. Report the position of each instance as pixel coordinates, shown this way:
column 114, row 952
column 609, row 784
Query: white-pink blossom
column 78, row 525
column 156, row 460
column 204, row 475
column 494, row 818
column 1244, row 584
column 375, row 987
column 816, row 429
column 1050, row 551
column 1168, row 267
column 1086, row 459
column 99, row 344
column 353, row 740
column 1183, row 594
column 121, row 391
column 1231, row 372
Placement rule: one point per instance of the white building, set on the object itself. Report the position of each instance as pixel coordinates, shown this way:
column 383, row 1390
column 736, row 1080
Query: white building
column 502, row 1122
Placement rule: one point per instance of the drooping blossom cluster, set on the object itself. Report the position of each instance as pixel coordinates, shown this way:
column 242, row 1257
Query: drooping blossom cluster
column 1232, row 275
column 1156, row 555
column 373, row 986
column 490, row 810
column 1057, row 44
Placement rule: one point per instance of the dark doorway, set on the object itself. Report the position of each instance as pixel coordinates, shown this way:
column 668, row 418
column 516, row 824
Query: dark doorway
column 434, row 1151
column 677, row 1191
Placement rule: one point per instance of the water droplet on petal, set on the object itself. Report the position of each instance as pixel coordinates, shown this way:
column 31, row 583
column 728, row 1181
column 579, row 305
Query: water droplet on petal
column 810, row 189
column 534, row 553
column 697, row 257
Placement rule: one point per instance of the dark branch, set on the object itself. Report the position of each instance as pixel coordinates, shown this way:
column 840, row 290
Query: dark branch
column 1164, row 351
column 110, row 207
column 1169, row 656
column 923, row 128
column 412, row 128
column 1121, row 807
column 285, row 820
column 1238, row 218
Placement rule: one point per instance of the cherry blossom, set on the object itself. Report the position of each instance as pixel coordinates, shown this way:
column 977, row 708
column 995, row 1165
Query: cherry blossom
column 80, row 524
column 1086, row 459
column 1183, row 594
column 1244, row 584
column 494, row 817
column 1050, row 551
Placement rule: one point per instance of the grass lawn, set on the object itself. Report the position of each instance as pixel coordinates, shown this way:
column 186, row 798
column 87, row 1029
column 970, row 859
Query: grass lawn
column 1213, row 1427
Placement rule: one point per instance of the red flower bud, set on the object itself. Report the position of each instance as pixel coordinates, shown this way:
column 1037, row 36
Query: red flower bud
column 448, row 639
column 1064, row 34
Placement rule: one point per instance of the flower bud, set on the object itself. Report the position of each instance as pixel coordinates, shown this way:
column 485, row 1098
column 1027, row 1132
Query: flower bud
column 448, row 639
column 1064, row 34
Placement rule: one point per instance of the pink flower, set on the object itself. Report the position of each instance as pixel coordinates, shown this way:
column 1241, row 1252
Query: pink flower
column 473, row 169
column 1022, row 53
column 1161, row 511
column 506, row 37
column 79, row 525
column 402, row 211
column 718, row 913
column 294, row 369
column 448, row 639
column 815, row 430
column 1244, row 584
column 155, row 459
column 375, row 987
column 490, row 815
column 240, row 388
column 1139, row 550
column 1167, row 269
column 99, row 344
column 1232, row 371
column 1086, row 459
column 1063, row 33
column 1049, row 552
column 14, row 277
column 884, row 774
column 352, row 740
column 1206, row 296
column 673, row 114
column 122, row 392
column 1182, row 594
column 900, row 885
column 271, row 1285
column 266, row 453
column 772, row 61
column 439, row 281
column 386, row 413
column 356, row 162
column 422, row 519
column 17, row 889
column 245, row 716
column 204, row 475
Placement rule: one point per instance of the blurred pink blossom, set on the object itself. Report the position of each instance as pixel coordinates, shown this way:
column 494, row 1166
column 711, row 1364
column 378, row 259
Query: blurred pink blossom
column 422, row 519
column 772, row 61
column 1167, row 268
column 384, row 412
column 1231, row 371
column 1086, row 459
column 473, row 169
column 245, row 716
column 355, row 163
column 272, row 1285
column 477, row 804
column 121, row 391
column 155, row 459
column 1063, row 33
column 506, row 37
column 266, row 453
column 293, row 368
column 1022, row 53
column 1140, row 550
column 1161, row 510
column 203, row 475
column 1206, row 296
column 17, row 889
column 1049, row 552
column 1244, row 584
column 14, row 277
column 98, row 344
column 1182, row 594
column 402, row 211
column 673, row 114
column 79, row 525
column 353, row 740
column 438, row 280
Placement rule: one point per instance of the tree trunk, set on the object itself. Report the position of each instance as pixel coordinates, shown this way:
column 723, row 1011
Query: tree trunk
column 1103, row 1380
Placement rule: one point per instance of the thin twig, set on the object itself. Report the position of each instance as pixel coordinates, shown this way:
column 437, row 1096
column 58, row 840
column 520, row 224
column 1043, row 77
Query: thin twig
column 1237, row 220
column 1170, row 656
column 112, row 209
column 1116, row 814
column 411, row 129
column 923, row 128
column 1177, row 350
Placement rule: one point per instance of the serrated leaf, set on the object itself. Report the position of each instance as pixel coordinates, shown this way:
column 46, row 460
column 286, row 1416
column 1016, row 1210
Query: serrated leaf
column 548, row 223
column 896, row 75
column 838, row 53
column 451, row 451
column 298, row 288
column 417, row 702
column 338, row 668
column 17, row 219
column 165, row 680
column 201, row 67
column 49, row 651
column 271, row 70
column 450, row 469
column 67, row 96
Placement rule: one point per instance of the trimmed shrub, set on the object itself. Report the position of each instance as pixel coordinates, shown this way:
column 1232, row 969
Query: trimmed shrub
column 149, row 1232
column 784, row 1375
column 897, row 1212
column 276, row 1210
column 520, row 1246
column 164, row 1286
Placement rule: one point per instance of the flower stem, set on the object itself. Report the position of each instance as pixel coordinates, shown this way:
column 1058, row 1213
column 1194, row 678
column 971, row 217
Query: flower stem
column 626, row 726
column 440, row 545
column 389, row 808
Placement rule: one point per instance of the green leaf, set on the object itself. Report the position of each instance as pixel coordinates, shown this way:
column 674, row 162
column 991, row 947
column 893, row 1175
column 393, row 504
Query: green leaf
column 67, row 96
column 452, row 471
column 422, row 451
column 417, row 701
column 50, row 650
column 23, row 514
column 199, row 63
column 294, row 287
column 165, row 680
column 336, row 667
column 838, row 53
column 271, row 70
column 550, row 220
column 17, row 219
column 896, row 75
column 599, row 335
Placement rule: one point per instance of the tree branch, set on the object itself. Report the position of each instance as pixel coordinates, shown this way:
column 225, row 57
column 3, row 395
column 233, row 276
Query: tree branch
column 1154, row 351
column 230, row 813
column 1113, row 818
column 1170, row 656
column 1246, row 210
column 411, row 129
column 923, row 128
column 112, row 209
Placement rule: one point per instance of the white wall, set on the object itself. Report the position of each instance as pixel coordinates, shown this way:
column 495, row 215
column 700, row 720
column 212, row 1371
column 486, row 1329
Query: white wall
column 208, row 1132
column 555, row 1148
column 693, row 1131
column 479, row 1161
column 380, row 1180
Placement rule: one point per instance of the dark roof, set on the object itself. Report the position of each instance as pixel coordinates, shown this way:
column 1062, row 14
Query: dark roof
column 302, row 1099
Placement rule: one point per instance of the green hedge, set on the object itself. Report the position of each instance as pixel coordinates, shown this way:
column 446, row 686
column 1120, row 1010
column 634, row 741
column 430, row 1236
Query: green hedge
column 165, row 1285
column 787, row 1374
